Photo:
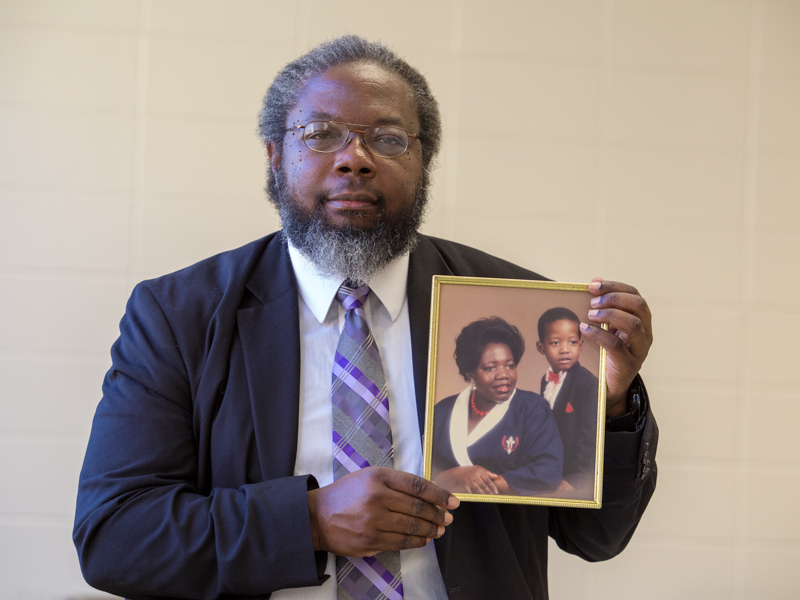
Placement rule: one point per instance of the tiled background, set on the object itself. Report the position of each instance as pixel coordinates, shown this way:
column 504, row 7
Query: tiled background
column 666, row 153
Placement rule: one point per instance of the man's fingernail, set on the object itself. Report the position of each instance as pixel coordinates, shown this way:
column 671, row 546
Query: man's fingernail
column 440, row 531
column 593, row 313
column 584, row 327
column 453, row 502
column 448, row 518
column 595, row 301
column 594, row 286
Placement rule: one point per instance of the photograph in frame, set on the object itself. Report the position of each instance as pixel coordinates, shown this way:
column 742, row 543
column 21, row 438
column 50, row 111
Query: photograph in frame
column 515, row 408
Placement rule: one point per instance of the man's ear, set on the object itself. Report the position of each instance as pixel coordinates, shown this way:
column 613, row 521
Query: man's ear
column 540, row 348
column 274, row 156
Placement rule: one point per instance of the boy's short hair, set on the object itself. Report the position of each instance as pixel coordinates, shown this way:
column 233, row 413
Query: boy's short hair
column 556, row 314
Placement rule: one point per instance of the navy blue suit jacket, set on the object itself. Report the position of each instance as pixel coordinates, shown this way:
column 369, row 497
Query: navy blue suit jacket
column 575, row 411
column 187, row 488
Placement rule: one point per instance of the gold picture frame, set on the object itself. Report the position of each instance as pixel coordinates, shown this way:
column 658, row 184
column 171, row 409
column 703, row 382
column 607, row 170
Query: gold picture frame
column 528, row 454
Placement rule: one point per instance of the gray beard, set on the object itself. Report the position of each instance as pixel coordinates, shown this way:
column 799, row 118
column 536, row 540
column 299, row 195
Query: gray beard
column 348, row 252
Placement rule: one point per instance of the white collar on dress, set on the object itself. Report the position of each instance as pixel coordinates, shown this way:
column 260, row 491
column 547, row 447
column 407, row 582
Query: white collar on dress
column 459, row 422
column 318, row 291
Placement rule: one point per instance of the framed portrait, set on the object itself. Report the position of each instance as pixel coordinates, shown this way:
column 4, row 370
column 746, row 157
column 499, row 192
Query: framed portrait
column 516, row 395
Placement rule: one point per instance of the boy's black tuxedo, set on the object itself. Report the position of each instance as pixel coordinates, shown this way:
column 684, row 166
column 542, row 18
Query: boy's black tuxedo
column 187, row 489
column 575, row 411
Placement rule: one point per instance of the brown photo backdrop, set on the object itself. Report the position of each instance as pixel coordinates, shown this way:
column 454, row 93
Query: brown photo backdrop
column 460, row 305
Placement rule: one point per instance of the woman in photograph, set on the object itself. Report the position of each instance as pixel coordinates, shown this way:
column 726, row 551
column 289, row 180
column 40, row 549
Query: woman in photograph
column 493, row 438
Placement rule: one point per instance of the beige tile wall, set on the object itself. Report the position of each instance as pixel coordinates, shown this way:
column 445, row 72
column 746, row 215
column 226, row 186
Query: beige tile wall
column 664, row 150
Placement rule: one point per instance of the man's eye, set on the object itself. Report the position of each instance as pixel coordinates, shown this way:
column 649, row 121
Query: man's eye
column 388, row 140
column 319, row 135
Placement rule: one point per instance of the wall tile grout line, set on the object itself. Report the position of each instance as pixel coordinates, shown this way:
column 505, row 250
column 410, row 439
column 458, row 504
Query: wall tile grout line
column 139, row 142
column 452, row 125
column 746, row 299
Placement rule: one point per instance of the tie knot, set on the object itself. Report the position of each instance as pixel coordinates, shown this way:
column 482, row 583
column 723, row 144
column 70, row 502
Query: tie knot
column 554, row 377
column 351, row 297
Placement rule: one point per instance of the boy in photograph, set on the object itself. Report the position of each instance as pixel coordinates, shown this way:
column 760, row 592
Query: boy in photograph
column 571, row 391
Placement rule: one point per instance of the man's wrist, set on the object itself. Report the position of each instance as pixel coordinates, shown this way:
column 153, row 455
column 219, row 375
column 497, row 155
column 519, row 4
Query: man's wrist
column 616, row 407
column 633, row 415
column 312, row 514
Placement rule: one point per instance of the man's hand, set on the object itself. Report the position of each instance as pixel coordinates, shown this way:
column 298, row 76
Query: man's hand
column 627, row 341
column 378, row 509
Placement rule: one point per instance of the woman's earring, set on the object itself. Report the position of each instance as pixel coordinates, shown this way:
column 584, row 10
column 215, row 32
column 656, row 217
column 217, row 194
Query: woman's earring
column 471, row 386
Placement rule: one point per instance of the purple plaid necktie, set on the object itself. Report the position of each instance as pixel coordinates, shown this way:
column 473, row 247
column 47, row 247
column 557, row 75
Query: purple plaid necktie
column 361, row 438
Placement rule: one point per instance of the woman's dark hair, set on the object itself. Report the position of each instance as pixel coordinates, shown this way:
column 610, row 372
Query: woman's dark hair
column 474, row 338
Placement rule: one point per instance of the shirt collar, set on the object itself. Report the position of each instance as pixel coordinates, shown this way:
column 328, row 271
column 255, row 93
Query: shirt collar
column 318, row 291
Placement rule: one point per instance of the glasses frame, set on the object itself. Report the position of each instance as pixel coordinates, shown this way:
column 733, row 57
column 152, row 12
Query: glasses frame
column 350, row 129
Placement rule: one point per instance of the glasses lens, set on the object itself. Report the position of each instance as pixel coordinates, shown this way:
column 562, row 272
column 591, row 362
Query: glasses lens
column 324, row 136
column 387, row 142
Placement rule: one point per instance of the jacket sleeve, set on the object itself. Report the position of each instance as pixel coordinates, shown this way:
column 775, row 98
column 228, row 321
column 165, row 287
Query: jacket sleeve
column 142, row 526
column 629, row 480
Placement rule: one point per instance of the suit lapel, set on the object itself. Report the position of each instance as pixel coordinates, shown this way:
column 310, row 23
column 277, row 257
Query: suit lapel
column 270, row 334
column 424, row 263
column 565, row 392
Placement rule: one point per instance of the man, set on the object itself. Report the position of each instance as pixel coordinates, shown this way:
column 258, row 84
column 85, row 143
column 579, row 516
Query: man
column 209, row 471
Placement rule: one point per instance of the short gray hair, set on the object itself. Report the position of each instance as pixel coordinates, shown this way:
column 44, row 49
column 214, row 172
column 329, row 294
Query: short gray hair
column 282, row 94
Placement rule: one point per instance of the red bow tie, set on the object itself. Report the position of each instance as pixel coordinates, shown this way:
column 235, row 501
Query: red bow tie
column 554, row 377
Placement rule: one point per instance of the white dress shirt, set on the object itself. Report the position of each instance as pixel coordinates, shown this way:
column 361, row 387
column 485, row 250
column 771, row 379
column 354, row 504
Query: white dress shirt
column 552, row 388
column 321, row 323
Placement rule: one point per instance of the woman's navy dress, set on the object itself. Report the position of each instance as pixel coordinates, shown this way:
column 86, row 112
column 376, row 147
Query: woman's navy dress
column 524, row 446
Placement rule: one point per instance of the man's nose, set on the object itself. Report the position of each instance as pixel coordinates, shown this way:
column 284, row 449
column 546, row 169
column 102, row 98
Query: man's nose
column 354, row 158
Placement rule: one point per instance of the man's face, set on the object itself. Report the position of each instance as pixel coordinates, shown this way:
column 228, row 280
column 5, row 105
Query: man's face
column 562, row 345
column 351, row 188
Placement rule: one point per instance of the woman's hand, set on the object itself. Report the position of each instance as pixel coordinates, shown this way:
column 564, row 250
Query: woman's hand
column 468, row 480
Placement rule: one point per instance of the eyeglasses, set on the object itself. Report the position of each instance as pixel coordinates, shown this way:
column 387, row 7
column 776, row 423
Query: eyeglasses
column 332, row 136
